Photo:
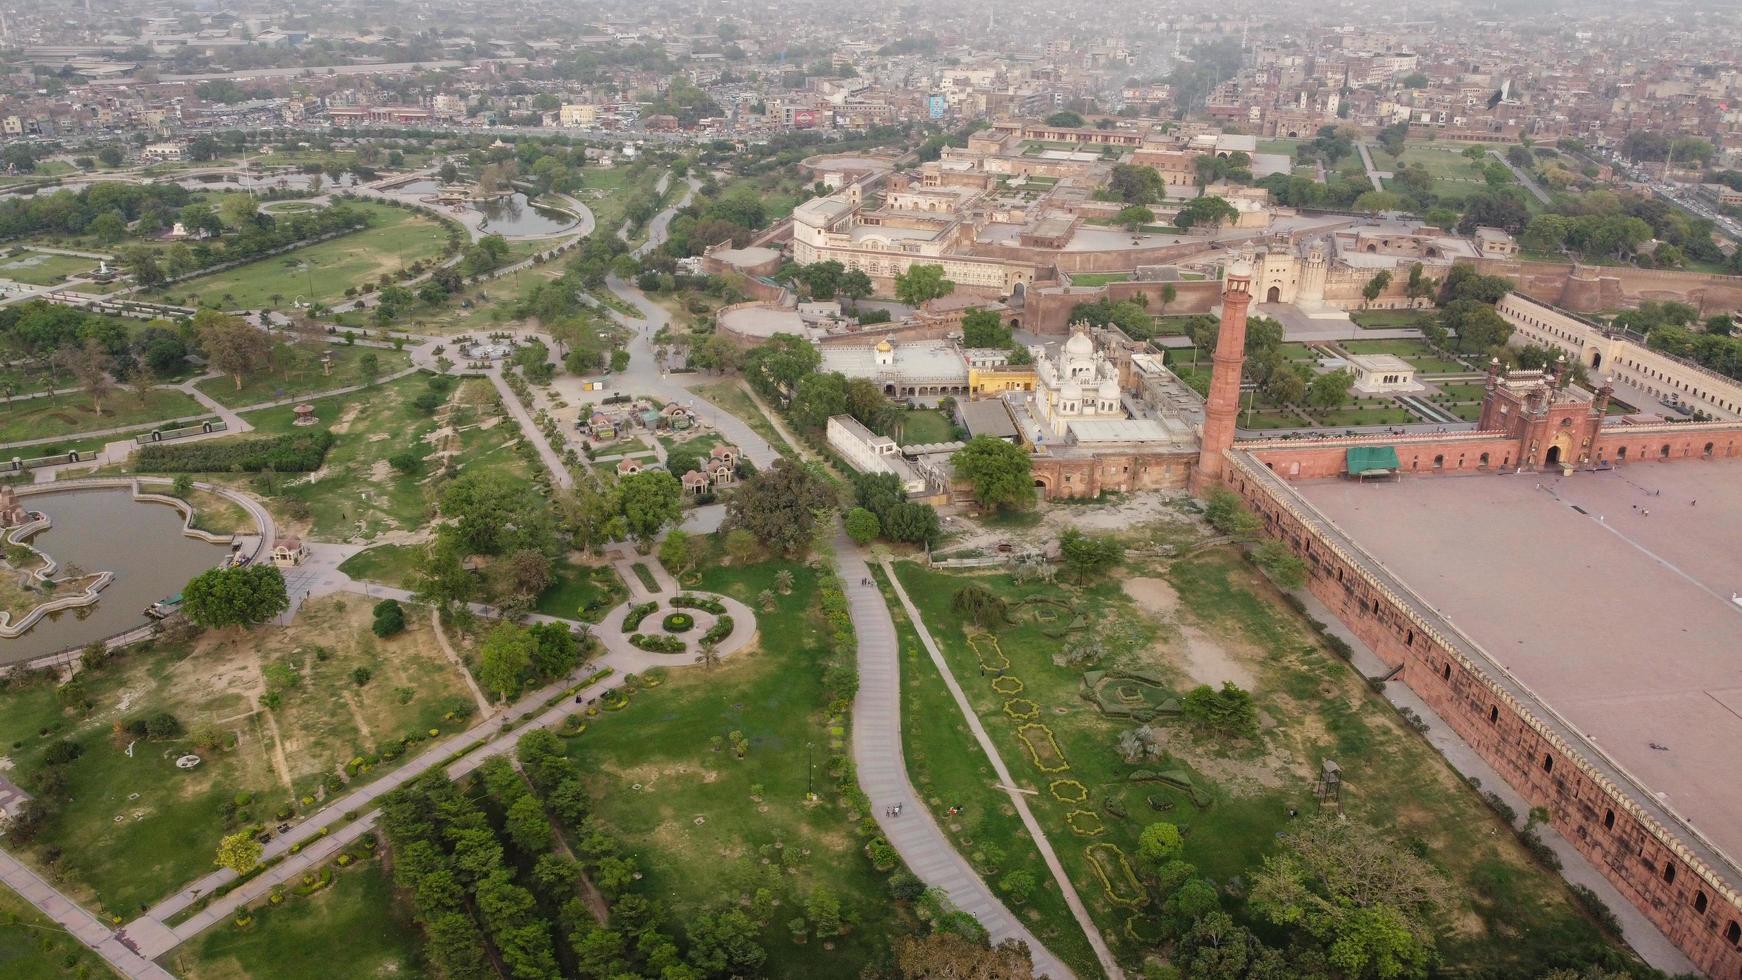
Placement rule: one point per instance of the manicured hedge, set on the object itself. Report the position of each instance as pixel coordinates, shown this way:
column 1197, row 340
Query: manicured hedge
column 298, row 452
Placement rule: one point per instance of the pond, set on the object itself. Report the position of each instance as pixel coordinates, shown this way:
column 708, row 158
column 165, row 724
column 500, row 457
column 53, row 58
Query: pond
column 107, row 530
column 514, row 216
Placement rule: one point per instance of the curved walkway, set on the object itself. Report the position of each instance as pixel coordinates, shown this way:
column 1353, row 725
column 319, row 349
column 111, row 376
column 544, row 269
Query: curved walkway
column 882, row 767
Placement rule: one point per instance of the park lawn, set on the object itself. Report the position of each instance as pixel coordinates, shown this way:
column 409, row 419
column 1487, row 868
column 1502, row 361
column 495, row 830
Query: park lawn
column 698, row 442
column 924, row 426
column 1390, row 319
column 32, row 946
column 1299, row 352
column 730, row 397
column 357, row 495
column 1271, row 418
column 1209, row 618
column 298, row 372
column 1098, row 278
column 357, row 925
column 388, row 564
column 71, row 414
column 1388, row 412
column 582, row 591
column 1284, row 146
column 688, row 812
column 948, row 768
column 1416, row 352
column 133, row 829
column 218, row 514
column 484, row 307
column 44, row 268
column 394, row 239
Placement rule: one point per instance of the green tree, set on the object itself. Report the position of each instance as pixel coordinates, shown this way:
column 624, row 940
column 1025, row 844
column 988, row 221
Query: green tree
column 1229, row 711
column 922, row 283
column 527, row 825
column 389, row 618
column 781, row 363
column 1205, row 212
column 244, row 596
column 1065, row 119
column 1000, row 472
column 1158, row 844
column 1087, row 555
column 652, row 500
column 855, row 285
column 1019, row 885
column 980, row 606
column 504, row 658
column 494, row 513
column 984, row 328
column 1329, row 390
column 239, row 852
column 780, row 506
column 679, row 552
column 1134, row 216
column 1376, row 285
column 1134, row 184
column 862, row 525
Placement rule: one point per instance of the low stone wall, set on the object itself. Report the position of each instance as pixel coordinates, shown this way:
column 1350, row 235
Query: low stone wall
column 1681, row 883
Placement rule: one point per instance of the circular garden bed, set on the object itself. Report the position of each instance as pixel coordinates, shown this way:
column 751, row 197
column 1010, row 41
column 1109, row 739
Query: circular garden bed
column 678, row 622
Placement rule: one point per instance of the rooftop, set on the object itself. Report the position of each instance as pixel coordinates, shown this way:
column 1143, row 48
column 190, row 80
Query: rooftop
column 1602, row 594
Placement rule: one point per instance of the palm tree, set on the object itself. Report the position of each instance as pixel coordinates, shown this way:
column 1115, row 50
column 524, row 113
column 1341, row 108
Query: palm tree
column 783, row 581
column 710, row 653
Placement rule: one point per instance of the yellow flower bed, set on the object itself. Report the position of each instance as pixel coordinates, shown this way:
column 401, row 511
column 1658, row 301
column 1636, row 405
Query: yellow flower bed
column 1043, row 748
column 1007, row 685
column 987, row 651
column 1117, row 878
column 1085, row 823
column 1068, row 791
column 1022, row 709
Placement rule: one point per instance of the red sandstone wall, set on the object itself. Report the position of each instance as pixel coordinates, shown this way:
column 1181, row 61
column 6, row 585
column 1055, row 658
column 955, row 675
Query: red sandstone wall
column 1050, row 313
column 1090, row 476
column 1611, row 287
column 1595, row 817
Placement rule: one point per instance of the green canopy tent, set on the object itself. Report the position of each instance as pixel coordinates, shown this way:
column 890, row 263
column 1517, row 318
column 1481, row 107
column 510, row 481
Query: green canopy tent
column 1366, row 461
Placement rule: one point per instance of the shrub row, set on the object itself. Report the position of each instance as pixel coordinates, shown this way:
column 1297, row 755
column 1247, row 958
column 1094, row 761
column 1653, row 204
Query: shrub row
column 298, row 452
column 637, row 613
column 658, row 643
column 721, row 629
column 706, row 603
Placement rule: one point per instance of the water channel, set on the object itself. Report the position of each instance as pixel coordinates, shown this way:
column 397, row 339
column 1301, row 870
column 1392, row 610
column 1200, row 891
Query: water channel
column 107, row 530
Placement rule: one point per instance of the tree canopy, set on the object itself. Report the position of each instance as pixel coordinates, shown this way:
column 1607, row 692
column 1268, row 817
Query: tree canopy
column 1001, row 472
column 244, row 596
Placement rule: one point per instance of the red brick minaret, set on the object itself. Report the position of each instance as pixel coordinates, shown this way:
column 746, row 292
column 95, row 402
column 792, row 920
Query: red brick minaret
column 1222, row 408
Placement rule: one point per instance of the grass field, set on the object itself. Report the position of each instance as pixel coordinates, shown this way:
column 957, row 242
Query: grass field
column 297, row 371
column 31, row 946
column 1387, row 412
column 356, row 924
column 1416, row 352
column 1210, row 618
column 708, row 827
column 1098, row 278
column 1390, row 319
column 583, row 592
column 322, row 272
column 72, row 414
column 43, row 268
column 925, row 426
column 388, row 564
column 133, row 826
column 357, row 495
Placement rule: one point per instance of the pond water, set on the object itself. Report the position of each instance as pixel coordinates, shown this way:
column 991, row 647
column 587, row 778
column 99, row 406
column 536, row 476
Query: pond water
column 419, row 187
column 514, row 215
column 107, row 530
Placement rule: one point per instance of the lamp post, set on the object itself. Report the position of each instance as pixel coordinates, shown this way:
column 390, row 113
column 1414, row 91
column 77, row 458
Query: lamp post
column 807, row 770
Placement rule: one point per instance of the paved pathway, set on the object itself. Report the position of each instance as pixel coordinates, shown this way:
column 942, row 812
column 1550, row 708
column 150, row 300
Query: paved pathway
column 1017, row 799
column 882, row 767
column 552, row 461
column 1527, row 180
column 81, row 924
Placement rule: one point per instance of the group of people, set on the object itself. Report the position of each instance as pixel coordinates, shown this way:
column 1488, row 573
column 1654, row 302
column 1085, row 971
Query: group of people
column 893, row 810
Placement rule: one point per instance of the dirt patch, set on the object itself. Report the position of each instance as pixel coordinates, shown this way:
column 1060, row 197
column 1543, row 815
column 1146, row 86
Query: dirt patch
column 343, row 425
column 1206, row 662
column 1154, row 596
column 380, row 471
